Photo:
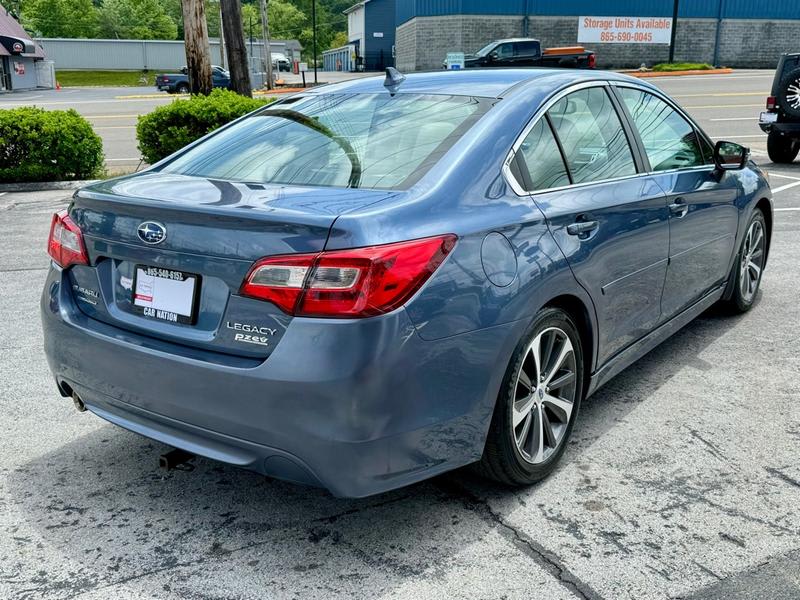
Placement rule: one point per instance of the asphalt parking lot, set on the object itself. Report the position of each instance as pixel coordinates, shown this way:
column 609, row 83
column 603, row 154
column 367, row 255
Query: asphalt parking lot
column 682, row 479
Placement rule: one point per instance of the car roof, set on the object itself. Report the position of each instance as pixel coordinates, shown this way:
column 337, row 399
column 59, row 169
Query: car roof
column 487, row 83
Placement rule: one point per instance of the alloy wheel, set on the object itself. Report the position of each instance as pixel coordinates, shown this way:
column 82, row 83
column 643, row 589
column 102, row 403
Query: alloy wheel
column 793, row 94
column 752, row 261
column 544, row 395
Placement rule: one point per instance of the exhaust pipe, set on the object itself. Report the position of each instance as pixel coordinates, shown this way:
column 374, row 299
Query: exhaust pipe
column 79, row 405
column 174, row 459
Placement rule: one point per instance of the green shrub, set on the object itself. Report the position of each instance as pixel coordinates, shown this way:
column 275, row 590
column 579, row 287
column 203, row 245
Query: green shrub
column 47, row 145
column 682, row 67
column 169, row 128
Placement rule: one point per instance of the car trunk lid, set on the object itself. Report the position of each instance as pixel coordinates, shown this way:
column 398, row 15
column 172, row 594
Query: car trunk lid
column 184, row 288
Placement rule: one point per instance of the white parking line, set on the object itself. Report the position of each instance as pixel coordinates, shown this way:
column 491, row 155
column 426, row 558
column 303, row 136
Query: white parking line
column 774, row 174
column 122, row 159
column 793, row 209
column 785, row 187
column 3, row 193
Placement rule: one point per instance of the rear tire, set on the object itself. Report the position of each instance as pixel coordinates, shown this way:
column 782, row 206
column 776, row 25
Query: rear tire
column 782, row 149
column 749, row 266
column 182, row 88
column 538, row 403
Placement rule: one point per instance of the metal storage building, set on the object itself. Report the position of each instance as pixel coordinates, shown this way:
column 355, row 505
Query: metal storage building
column 740, row 33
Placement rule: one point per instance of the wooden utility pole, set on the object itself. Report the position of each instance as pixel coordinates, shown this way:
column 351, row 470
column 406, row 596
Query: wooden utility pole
column 267, row 50
column 198, row 55
column 221, row 40
column 234, row 44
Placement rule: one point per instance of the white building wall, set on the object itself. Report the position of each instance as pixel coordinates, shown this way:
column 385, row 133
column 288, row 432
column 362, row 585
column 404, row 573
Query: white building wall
column 356, row 28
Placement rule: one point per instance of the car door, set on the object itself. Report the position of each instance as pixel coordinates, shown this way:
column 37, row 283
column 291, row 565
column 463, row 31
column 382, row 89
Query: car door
column 220, row 78
column 610, row 222
column 703, row 215
column 526, row 53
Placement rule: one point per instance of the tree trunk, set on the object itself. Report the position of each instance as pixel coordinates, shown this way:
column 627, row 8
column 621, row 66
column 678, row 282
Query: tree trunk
column 198, row 54
column 267, row 52
column 234, row 44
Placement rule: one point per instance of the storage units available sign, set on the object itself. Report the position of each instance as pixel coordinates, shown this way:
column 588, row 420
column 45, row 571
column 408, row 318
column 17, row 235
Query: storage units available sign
column 625, row 30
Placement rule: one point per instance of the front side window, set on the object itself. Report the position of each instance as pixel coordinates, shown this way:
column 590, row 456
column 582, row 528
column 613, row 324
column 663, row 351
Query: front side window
column 505, row 51
column 591, row 135
column 542, row 159
column 345, row 140
column 669, row 140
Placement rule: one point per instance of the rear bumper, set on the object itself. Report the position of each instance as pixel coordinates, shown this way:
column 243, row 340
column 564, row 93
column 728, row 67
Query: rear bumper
column 788, row 129
column 356, row 406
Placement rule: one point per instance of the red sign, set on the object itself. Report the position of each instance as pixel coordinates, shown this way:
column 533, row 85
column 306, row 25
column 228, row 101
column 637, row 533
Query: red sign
column 19, row 68
column 17, row 48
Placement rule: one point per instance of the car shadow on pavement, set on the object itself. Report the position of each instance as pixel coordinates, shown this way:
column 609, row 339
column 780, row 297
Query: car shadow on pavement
column 109, row 523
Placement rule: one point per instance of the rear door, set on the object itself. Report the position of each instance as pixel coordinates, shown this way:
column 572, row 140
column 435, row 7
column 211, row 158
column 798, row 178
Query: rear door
column 703, row 215
column 527, row 53
column 610, row 222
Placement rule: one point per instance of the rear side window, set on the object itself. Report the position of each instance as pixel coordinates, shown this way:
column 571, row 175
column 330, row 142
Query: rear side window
column 669, row 140
column 527, row 48
column 591, row 134
column 373, row 141
column 542, row 160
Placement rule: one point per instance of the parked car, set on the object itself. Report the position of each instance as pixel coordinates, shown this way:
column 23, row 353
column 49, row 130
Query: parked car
column 178, row 83
column 527, row 52
column 781, row 121
column 359, row 289
column 280, row 62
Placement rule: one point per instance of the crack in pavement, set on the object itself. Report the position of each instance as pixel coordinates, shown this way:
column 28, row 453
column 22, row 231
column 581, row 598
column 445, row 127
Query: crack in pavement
column 24, row 269
column 781, row 475
column 549, row 561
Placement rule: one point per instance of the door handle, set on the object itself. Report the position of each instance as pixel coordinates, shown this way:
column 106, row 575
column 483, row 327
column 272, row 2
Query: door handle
column 582, row 228
column 679, row 208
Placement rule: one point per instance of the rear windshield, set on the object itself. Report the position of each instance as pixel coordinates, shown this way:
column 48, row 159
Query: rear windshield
column 345, row 140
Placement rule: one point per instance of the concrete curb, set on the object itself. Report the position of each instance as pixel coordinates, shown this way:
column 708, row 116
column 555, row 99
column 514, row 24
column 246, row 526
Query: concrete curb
column 44, row 186
column 645, row 74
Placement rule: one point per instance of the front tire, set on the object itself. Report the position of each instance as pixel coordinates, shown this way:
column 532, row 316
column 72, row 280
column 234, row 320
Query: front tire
column 749, row 266
column 538, row 403
column 782, row 149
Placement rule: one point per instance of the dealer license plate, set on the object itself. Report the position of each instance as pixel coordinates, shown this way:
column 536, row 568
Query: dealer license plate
column 768, row 117
column 165, row 294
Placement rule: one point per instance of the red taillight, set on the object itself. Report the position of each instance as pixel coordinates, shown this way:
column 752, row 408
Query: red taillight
column 772, row 103
column 65, row 244
column 360, row 282
column 591, row 61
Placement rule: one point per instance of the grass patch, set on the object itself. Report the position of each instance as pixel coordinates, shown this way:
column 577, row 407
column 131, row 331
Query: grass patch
column 685, row 66
column 105, row 78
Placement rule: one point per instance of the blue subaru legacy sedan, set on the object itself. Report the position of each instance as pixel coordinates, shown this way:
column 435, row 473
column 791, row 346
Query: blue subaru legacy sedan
column 370, row 283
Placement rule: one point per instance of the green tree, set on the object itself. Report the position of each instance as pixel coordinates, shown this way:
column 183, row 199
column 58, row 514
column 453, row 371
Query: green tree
column 136, row 20
column 175, row 11
column 60, row 18
column 339, row 39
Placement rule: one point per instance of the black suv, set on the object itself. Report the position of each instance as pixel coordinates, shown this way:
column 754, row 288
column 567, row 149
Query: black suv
column 782, row 117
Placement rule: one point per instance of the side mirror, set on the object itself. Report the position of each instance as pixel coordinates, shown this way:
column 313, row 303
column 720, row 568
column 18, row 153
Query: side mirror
column 730, row 156
column 493, row 55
